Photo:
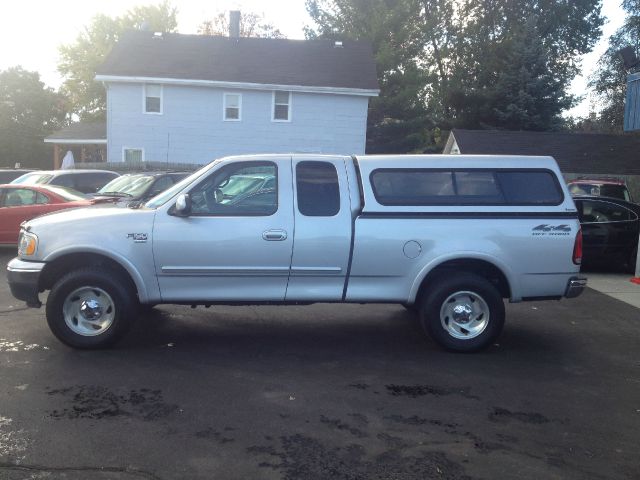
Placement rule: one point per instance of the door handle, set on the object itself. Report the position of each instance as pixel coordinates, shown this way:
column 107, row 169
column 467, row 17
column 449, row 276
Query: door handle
column 274, row 235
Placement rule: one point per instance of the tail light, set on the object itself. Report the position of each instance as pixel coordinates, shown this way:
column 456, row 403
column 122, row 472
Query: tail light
column 577, row 248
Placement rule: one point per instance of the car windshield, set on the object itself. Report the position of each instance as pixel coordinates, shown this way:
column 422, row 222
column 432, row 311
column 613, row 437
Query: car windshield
column 615, row 191
column 600, row 190
column 168, row 194
column 133, row 185
column 33, row 178
column 68, row 194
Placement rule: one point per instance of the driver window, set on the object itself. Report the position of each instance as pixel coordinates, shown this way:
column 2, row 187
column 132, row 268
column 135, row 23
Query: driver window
column 239, row 189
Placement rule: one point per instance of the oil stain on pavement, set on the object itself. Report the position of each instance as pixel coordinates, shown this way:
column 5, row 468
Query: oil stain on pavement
column 98, row 402
column 299, row 456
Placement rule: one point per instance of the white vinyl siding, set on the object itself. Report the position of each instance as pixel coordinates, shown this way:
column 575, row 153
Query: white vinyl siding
column 192, row 130
column 152, row 99
column 281, row 107
column 232, row 111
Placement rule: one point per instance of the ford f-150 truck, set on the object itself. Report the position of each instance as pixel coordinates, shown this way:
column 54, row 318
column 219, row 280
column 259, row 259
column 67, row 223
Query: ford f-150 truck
column 447, row 236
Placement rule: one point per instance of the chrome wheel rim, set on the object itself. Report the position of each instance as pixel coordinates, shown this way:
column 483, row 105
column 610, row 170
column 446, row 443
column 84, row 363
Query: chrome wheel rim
column 89, row 311
column 464, row 315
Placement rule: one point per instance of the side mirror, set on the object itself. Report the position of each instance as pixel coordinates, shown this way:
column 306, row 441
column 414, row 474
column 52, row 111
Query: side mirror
column 183, row 205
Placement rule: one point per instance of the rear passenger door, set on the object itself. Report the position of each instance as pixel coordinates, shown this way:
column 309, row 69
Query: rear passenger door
column 323, row 230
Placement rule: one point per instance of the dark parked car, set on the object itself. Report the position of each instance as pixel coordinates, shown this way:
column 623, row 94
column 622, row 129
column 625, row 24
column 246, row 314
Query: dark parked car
column 140, row 186
column 610, row 229
column 85, row 181
column 7, row 175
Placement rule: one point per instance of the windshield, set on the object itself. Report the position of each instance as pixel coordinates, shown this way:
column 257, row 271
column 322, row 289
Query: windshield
column 600, row 190
column 33, row 178
column 134, row 185
column 615, row 191
column 167, row 195
column 68, row 194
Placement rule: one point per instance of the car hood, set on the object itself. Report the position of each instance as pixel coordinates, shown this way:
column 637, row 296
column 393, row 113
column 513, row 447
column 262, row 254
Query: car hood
column 97, row 228
column 87, row 214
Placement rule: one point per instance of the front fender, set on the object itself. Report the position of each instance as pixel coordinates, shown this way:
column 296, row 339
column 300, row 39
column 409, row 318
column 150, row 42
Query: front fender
column 145, row 294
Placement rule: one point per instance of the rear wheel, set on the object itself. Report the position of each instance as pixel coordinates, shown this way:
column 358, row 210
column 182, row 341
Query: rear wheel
column 462, row 312
column 90, row 308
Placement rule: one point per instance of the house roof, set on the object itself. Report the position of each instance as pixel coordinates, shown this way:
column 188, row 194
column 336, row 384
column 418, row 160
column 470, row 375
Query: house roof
column 303, row 63
column 80, row 133
column 575, row 152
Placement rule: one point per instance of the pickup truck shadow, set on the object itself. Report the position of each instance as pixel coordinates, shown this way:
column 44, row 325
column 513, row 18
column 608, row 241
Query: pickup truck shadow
column 382, row 330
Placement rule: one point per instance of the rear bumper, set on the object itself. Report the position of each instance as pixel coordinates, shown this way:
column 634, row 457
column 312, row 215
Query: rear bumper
column 24, row 278
column 575, row 286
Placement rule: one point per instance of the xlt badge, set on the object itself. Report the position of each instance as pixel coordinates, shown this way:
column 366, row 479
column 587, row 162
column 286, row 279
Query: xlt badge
column 138, row 237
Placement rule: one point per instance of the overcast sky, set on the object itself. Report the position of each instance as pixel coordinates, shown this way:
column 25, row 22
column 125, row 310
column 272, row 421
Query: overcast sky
column 32, row 30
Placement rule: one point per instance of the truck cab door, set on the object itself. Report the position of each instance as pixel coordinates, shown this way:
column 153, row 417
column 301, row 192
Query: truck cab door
column 236, row 243
column 323, row 229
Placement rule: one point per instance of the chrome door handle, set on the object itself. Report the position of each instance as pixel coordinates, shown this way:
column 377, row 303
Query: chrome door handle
column 274, row 235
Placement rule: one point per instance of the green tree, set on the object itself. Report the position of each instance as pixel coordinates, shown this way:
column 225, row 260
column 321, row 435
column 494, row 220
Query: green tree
column 80, row 59
column 29, row 111
column 251, row 25
column 464, row 63
column 609, row 79
column 495, row 43
column 528, row 94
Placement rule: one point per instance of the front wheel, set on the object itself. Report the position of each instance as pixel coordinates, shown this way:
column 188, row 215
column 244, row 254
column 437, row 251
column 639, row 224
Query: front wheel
column 90, row 308
column 462, row 312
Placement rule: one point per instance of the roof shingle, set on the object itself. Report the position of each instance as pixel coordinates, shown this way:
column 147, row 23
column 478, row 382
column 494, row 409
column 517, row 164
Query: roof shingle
column 575, row 152
column 80, row 131
column 312, row 63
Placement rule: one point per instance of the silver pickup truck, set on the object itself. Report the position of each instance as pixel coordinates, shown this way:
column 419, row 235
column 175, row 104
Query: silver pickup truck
column 447, row 236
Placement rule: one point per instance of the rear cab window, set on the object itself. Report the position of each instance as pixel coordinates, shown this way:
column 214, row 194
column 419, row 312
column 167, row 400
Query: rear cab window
column 318, row 192
column 421, row 187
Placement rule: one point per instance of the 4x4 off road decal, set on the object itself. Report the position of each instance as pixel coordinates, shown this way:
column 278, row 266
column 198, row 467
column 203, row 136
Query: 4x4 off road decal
column 556, row 230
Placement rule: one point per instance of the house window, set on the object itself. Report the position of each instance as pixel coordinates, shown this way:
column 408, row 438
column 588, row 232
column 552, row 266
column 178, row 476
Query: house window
column 232, row 107
column 133, row 155
column 281, row 107
column 153, row 99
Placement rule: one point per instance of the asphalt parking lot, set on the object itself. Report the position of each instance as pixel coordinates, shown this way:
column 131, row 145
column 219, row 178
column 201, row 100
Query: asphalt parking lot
column 323, row 392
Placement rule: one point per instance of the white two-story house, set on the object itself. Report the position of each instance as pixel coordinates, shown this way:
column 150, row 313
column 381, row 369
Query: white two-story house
column 190, row 98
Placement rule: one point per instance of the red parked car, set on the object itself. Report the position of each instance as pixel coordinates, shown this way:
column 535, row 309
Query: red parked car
column 24, row 202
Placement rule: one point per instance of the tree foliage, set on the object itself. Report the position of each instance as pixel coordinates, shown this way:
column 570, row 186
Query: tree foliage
column 29, row 111
column 609, row 79
column 80, row 59
column 470, row 63
column 251, row 25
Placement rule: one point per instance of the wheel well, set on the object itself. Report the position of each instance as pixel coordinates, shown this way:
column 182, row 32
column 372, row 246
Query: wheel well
column 481, row 268
column 67, row 263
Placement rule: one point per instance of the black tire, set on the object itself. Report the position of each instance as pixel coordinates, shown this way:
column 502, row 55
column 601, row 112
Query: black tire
column 440, row 329
column 146, row 307
column 122, row 307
